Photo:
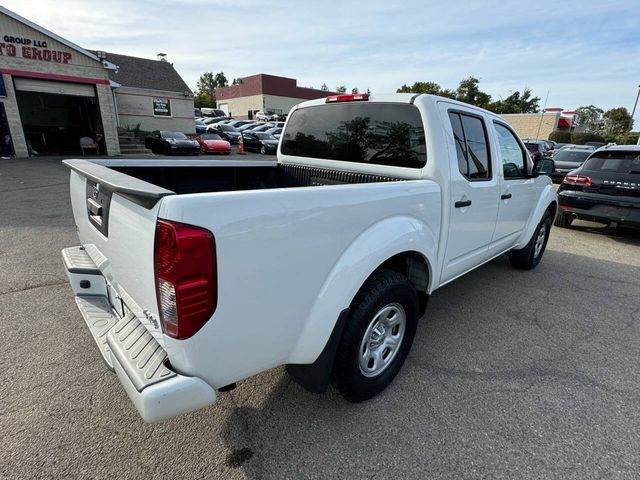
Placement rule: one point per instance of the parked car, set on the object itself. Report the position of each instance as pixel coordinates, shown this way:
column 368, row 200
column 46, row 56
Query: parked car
column 197, row 113
column 201, row 127
column 262, row 117
column 538, row 149
column 169, row 143
column 199, row 276
column 213, row 120
column 213, row 112
column 276, row 132
column 596, row 145
column 227, row 132
column 239, row 123
column 248, row 126
column 213, row 143
column 605, row 189
column 260, row 142
column 569, row 159
column 261, row 128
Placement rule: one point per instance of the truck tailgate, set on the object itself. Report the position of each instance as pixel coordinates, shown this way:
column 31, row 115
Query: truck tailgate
column 116, row 216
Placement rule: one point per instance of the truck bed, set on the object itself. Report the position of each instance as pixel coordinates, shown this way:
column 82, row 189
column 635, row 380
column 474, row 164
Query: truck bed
column 220, row 178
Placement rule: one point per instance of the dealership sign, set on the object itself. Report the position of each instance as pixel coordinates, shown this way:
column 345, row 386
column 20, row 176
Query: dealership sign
column 161, row 107
column 31, row 49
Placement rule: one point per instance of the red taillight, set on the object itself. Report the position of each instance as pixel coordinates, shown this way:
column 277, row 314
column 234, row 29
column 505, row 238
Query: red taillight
column 186, row 284
column 351, row 97
column 579, row 180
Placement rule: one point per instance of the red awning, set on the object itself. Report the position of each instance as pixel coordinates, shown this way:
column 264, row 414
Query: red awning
column 563, row 122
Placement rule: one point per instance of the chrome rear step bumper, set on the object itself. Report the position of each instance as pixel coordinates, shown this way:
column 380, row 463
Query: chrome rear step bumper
column 130, row 350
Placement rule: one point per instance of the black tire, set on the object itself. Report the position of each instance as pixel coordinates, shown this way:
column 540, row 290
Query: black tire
column 203, row 150
column 383, row 289
column 263, row 150
column 529, row 257
column 166, row 150
column 563, row 220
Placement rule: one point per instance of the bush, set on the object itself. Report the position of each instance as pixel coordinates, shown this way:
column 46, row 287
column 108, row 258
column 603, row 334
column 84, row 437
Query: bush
column 560, row 137
column 629, row 138
column 580, row 138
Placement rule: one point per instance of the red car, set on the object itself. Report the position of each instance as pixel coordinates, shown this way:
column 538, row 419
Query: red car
column 213, row 143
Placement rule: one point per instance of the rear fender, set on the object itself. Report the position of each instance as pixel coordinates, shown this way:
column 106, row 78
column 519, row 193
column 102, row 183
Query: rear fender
column 364, row 255
column 547, row 197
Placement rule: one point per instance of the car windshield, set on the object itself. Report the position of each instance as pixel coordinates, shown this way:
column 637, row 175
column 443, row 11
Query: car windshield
column 614, row 162
column 178, row 135
column 210, row 136
column 574, row 156
column 265, row 136
column 227, row 128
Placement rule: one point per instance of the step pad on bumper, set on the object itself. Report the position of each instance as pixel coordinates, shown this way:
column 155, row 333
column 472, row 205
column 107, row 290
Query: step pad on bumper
column 96, row 312
column 138, row 352
column 77, row 260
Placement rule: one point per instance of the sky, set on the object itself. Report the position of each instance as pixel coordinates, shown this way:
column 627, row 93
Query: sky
column 581, row 53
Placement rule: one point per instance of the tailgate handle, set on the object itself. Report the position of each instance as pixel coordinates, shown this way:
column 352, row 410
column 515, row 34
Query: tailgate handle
column 95, row 209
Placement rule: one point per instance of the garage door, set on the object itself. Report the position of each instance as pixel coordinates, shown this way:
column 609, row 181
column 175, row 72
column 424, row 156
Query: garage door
column 58, row 88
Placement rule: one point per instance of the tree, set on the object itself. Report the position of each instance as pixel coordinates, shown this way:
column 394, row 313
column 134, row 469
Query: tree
column 469, row 92
column 324, row 87
column 617, row 120
column 590, row 118
column 203, row 99
column 236, row 81
column 341, row 89
column 207, row 84
column 354, row 90
column 516, row 103
column 423, row 87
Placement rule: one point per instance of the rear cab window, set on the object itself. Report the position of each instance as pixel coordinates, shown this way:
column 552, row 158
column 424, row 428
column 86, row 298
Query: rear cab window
column 389, row 134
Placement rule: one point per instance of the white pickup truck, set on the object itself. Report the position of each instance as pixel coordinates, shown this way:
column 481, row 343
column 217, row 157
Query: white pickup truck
column 195, row 274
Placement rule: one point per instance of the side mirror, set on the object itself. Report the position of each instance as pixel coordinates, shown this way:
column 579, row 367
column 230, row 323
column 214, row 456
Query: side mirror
column 544, row 166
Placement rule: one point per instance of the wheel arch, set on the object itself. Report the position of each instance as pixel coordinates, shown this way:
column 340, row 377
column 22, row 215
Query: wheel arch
column 403, row 244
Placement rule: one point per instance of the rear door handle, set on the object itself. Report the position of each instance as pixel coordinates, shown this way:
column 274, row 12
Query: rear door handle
column 462, row 203
column 506, row 196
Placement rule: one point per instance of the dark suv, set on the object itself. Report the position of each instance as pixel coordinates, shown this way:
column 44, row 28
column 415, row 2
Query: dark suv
column 605, row 189
column 538, row 149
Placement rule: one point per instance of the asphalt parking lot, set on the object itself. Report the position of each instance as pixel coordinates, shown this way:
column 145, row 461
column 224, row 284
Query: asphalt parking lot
column 512, row 375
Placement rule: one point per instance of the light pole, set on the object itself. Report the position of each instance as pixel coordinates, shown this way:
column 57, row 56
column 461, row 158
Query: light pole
column 633, row 112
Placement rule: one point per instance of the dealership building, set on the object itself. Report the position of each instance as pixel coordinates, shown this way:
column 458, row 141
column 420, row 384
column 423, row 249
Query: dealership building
column 264, row 93
column 53, row 93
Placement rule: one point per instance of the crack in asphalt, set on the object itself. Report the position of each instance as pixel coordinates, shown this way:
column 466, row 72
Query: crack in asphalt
column 33, row 287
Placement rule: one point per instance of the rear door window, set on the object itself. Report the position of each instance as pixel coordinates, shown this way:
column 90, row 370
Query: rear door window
column 472, row 148
column 362, row 132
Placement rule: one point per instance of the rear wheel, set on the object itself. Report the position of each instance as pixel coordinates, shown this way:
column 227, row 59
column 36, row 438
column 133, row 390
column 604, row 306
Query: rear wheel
column 203, row 149
column 529, row 257
column 377, row 336
column 263, row 150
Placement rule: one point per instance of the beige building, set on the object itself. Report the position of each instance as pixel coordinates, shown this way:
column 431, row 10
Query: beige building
column 150, row 94
column 264, row 93
column 53, row 93
column 541, row 125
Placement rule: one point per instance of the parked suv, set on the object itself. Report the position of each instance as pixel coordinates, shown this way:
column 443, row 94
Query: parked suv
column 538, row 149
column 605, row 189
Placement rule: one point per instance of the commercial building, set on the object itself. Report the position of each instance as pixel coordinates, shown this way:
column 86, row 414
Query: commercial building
column 150, row 94
column 264, row 93
column 53, row 93
column 541, row 125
